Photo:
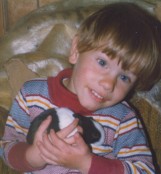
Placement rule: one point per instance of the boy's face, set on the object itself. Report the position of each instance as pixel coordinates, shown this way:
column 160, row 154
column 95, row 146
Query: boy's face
column 98, row 81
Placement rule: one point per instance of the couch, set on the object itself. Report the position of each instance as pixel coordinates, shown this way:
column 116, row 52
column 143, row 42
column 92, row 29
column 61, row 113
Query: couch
column 38, row 46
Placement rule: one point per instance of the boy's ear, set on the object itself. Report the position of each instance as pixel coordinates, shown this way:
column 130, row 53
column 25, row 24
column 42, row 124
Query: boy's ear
column 73, row 57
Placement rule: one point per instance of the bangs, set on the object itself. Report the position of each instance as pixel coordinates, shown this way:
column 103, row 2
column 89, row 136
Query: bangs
column 133, row 47
column 138, row 60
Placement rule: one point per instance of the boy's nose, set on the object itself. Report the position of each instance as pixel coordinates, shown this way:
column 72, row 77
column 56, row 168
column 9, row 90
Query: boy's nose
column 108, row 83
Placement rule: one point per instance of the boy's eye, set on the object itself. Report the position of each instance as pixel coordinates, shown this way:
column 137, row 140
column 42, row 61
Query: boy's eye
column 102, row 62
column 124, row 78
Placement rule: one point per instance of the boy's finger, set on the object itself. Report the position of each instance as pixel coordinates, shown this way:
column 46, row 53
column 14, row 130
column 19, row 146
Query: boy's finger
column 67, row 130
column 44, row 125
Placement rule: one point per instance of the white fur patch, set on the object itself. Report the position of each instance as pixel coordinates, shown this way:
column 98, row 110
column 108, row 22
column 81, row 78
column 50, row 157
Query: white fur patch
column 66, row 117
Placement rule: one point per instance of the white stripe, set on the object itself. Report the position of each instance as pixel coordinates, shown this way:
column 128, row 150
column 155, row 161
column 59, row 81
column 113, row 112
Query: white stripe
column 143, row 166
column 101, row 149
column 107, row 121
column 21, row 102
column 125, row 127
column 12, row 123
column 34, row 100
column 126, row 152
column 132, row 167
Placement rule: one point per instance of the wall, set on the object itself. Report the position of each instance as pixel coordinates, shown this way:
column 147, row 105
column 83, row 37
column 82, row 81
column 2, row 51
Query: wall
column 12, row 10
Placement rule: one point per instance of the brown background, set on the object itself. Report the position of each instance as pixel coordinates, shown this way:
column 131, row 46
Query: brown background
column 12, row 10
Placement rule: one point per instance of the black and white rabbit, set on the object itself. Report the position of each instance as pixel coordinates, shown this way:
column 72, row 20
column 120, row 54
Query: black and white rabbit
column 93, row 132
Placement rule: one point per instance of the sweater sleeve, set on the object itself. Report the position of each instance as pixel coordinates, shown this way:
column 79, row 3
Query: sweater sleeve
column 126, row 148
column 16, row 153
column 16, row 129
column 101, row 165
column 30, row 101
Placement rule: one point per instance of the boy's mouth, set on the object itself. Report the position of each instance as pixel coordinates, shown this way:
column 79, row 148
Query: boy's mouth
column 97, row 96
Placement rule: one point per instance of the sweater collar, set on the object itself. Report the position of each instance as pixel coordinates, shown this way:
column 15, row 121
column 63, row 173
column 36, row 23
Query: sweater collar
column 61, row 96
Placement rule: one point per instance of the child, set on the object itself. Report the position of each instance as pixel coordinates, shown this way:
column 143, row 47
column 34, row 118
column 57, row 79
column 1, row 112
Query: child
column 115, row 51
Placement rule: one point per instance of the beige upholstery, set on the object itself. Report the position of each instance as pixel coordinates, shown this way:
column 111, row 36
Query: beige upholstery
column 38, row 46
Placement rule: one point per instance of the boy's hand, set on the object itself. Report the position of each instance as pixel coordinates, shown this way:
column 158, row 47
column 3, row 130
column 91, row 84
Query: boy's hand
column 70, row 152
column 33, row 153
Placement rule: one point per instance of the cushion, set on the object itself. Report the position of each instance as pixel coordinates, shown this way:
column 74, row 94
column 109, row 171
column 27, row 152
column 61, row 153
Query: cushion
column 58, row 41
column 24, row 67
column 18, row 73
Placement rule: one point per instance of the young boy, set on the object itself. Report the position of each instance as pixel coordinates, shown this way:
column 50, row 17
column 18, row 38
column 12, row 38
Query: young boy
column 115, row 51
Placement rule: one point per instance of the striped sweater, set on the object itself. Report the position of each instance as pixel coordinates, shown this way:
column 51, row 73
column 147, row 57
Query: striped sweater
column 124, row 151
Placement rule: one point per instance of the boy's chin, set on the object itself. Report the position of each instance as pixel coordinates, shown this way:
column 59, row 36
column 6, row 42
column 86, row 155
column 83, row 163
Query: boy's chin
column 93, row 108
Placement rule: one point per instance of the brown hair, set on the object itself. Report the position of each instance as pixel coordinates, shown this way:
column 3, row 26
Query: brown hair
column 129, row 33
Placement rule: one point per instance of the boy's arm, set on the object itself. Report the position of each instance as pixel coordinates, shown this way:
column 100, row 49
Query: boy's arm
column 130, row 150
column 16, row 128
column 17, row 157
column 14, row 135
column 14, row 150
column 102, row 165
column 25, row 157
